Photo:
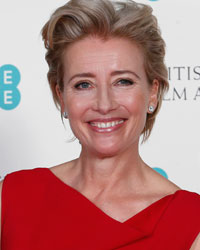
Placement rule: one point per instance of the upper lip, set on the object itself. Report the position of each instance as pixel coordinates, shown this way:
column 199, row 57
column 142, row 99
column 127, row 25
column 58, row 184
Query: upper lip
column 107, row 119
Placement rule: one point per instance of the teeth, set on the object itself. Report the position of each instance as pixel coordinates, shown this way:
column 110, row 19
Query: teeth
column 106, row 124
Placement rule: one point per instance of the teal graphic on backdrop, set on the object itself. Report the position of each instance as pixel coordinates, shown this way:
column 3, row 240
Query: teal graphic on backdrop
column 161, row 171
column 9, row 80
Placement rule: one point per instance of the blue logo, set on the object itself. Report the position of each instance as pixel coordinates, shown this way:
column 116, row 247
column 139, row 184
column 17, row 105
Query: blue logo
column 161, row 171
column 9, row 80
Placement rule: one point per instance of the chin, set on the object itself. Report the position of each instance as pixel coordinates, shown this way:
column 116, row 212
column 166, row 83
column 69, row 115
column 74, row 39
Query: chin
column 103, row 152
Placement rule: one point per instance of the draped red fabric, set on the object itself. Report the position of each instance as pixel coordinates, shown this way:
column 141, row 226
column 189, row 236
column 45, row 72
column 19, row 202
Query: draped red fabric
column 40, row 212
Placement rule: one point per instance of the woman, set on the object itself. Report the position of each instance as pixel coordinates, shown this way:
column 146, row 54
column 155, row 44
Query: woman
column 107, row 75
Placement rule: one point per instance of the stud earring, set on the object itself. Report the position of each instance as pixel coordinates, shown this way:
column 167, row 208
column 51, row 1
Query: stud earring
column 65, row 115
column 151, row 109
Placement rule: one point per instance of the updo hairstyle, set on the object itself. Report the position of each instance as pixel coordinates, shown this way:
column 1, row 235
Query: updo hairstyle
column 78, row 19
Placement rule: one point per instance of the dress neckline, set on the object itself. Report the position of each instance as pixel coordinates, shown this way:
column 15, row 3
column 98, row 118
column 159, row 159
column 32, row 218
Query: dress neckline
column 166, row 199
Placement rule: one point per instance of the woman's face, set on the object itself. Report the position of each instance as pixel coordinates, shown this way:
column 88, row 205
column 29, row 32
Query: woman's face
column 106, row 94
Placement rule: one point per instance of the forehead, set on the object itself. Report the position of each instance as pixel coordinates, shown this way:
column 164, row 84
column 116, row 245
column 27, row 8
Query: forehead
column 93, row 53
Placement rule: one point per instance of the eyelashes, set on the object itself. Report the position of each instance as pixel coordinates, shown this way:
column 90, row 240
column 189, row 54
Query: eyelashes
column 125, row 82
column 82, row 85
column 86, row 85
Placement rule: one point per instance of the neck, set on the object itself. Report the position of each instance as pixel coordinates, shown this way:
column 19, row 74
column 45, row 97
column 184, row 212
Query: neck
column 114, row 174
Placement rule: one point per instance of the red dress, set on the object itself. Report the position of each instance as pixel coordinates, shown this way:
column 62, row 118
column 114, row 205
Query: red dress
column 40, row 212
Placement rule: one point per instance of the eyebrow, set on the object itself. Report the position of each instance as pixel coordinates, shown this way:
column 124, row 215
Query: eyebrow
column 120, row 72
column 117, row 72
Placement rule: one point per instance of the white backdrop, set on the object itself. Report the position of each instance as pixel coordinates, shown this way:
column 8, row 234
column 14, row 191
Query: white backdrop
column 31, row 132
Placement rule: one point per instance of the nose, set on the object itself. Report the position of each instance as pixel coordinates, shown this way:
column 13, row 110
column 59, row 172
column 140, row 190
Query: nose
column 105, row 100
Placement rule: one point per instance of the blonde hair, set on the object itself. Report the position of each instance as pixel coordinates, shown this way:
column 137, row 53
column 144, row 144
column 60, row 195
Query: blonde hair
column 104, row 18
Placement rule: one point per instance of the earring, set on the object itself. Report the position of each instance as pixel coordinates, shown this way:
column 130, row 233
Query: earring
column 65, row 115
column 151, row 109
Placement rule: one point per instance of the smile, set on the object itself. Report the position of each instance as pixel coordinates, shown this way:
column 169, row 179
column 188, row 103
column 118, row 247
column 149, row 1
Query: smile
column 106, row 124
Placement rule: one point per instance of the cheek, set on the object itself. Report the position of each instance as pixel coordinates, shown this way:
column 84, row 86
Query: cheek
column 76, row 105
column 136, row 102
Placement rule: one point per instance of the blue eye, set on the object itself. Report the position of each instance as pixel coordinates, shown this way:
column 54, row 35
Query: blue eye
column 125, row 82
column 82, row 85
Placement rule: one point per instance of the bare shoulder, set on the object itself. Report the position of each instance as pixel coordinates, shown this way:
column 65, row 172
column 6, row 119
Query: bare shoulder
column 196, row 243
column 165, row 185
column 65, row 171
column 62, row 168
column 170, row 186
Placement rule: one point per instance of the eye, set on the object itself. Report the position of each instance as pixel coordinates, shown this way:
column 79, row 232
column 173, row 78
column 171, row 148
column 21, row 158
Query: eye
column 82, row 85
column 125, row 82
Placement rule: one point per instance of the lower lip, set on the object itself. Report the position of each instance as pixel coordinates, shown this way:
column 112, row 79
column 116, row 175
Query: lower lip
column 106, row 130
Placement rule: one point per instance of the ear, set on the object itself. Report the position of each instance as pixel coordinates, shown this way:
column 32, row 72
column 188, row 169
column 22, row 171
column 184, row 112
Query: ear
column 60, row 97
column 153, row 97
